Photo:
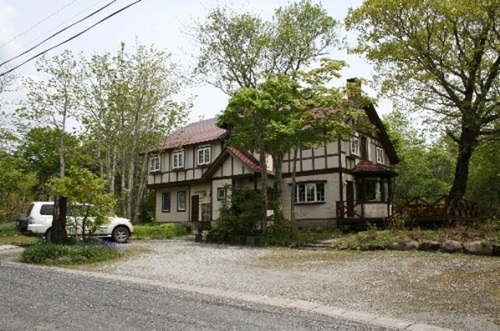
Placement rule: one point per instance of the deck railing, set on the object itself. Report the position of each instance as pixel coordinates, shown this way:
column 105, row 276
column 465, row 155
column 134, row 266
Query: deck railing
column 442, row 208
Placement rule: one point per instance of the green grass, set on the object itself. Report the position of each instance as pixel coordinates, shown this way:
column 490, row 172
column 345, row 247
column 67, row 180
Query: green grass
column 8, row 229
column 9, row 235
column 89, row 252
column 158, row 231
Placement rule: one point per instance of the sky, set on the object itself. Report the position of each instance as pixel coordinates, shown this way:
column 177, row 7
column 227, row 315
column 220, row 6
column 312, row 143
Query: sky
column 163, row 24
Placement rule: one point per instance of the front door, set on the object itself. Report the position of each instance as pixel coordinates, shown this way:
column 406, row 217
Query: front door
column 350, row 198
column 195, row 208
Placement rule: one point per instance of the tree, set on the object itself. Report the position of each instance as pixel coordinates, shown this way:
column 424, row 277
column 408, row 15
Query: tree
column 425, row 168
column 283, row 114
column 42, row 158
column 441, row 56
column 87, row 198
column 127, row 106
column 239, row 50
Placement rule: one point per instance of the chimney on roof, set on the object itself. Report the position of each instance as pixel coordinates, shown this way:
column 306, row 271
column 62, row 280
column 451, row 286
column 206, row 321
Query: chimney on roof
column 353, row 89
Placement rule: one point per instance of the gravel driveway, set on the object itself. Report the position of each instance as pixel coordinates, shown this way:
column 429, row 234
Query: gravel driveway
column 454, row 291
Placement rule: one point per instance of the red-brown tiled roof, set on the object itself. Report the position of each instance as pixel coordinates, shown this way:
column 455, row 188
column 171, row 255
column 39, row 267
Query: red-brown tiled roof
column 247, row 159
column 365, row 167
column 194, row 133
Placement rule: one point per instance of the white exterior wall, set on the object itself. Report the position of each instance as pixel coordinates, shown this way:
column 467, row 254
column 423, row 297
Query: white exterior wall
column 216, row 204
column 173, row 215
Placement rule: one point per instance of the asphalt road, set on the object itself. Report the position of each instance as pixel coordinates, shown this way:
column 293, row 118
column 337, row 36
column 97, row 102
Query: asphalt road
column 48, row 299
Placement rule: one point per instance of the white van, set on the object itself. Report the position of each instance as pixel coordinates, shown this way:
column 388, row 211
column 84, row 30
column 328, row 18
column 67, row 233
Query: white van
column 40, row 215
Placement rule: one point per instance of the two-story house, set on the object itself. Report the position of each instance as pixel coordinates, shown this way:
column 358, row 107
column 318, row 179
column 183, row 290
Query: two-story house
column 341, row 182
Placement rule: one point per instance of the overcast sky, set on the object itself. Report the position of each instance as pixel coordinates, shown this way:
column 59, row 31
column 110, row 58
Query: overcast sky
column 162, row 23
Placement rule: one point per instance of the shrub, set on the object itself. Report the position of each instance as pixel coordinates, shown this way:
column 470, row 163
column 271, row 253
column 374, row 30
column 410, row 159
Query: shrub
column 158, row 231
column 81, row 253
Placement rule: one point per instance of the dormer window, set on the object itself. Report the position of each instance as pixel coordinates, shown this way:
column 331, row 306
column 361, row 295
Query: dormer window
column 355, row 146
column 154, row 164
column 204, row 155
column 178, row 160
column 380, row 155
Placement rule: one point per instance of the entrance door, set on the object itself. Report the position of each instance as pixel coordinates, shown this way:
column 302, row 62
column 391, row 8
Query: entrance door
column 195, row 208
column 350, row 198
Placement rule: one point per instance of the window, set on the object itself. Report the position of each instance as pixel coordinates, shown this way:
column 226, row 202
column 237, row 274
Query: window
column 221, row 193
column 380, row 155
column 165, row 202
column 204, row 155
column 181, row 201
column 178, row 160
column 310, row 192
column 373, row 189
column 154, row 163
column 355, row 146
column 46, row 209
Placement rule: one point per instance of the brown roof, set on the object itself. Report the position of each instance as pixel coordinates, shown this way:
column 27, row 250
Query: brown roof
column 365, row 167
column 247, row 159
column 194, row 133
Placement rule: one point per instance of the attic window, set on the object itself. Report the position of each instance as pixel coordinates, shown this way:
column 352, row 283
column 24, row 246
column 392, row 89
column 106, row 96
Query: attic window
column 380, row 155
column 154, row 163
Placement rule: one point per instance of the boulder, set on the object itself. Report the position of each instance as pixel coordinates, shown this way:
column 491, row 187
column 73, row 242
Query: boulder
column 451, row 246
column 428, row 245
column 477, row 248
column 406, row 246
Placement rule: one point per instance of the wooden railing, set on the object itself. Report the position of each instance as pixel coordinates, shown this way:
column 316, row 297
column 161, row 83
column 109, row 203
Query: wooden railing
column 343, row 210
column 442, row 208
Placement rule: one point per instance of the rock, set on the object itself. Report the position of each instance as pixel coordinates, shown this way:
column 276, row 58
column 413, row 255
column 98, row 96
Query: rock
column 495, row 250
column 371, row 247
column 477, row 248
column 406, row 246
column 428, row 245
column 451, row 246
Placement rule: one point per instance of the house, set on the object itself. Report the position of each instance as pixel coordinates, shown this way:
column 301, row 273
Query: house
column 341, row 182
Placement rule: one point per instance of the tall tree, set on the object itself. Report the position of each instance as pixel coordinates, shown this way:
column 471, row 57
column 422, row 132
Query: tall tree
column 442, row 56
column 128, row 105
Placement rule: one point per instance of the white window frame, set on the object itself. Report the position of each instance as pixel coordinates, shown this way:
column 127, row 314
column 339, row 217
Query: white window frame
column 221, row 193
column 178, row 160
column 154, row 163
column 165, row 202
column 355, row 145
column 203, row 155
column 181, row 203
column 380, row 155
column 310, row 193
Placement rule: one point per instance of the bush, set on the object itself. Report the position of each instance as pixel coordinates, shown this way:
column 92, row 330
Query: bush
column 8, row 229
column 158, row 231
column 82, row 253
column 239, row 213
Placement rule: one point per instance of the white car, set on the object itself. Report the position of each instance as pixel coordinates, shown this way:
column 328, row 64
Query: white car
column 40, row 215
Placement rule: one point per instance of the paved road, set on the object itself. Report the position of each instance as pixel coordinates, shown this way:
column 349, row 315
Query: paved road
column 49, row 299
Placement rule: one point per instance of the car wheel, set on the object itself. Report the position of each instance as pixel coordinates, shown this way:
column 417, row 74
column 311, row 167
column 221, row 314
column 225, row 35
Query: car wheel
column 48, row 235
column 120, row 234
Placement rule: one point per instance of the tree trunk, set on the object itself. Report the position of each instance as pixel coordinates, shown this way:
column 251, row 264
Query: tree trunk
column 278, row 184
column 294, row 185
column 58, row 231
column 466, row 146
column 263, row 166
column 141, row 187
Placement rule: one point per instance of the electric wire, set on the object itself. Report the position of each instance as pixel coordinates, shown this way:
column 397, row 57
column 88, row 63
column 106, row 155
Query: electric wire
column 37, row 24
column 69, row 39
column 59, row 32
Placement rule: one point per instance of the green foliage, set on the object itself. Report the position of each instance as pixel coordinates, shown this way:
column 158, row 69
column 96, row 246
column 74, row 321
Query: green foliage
column 89, row 204
column 240, row 49
column 8, row 229
column 239, row 213
column 158, row 231
column 16, row 189
column 82, row 253
column 440, row 56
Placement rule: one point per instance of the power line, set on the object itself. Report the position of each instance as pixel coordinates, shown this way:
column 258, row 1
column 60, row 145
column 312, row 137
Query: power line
column 69, row 39
column 59, row 32
column 37, row 24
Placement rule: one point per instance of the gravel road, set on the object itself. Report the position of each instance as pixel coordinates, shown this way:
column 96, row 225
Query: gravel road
column 453, row 291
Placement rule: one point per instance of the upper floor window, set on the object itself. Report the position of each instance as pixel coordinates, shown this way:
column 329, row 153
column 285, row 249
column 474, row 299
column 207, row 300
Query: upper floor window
column 355, row 146
column 203, row 155
column 154, row 163
column 178, row 160
column 380, row 155
column 310, row 192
